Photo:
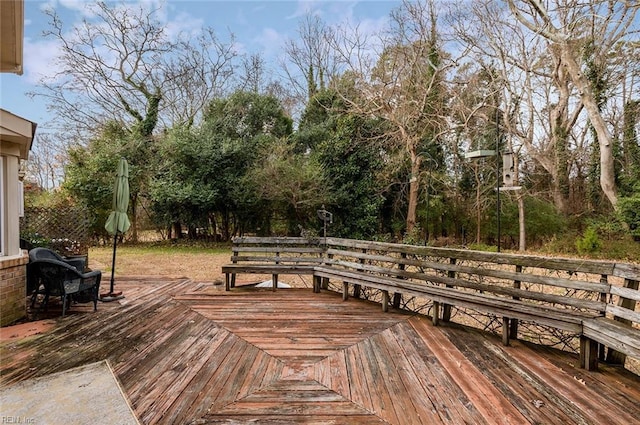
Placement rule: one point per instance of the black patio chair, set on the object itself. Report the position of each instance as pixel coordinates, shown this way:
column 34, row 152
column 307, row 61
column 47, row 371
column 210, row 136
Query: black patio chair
column 41, row 253
column 51, row 277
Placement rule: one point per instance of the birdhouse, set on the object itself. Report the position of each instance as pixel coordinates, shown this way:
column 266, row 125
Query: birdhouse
column 508, row 169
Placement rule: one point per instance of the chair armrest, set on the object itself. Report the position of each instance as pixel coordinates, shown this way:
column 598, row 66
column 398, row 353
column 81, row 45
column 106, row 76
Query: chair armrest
column 78, row 263
column 90, row 280
column 91, row 274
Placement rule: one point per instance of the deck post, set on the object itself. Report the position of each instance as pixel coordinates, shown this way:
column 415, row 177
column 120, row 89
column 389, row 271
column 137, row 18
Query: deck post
column 325, row 283
column 325, row 280
column 227, row 282
column 513, row 327
column 316, row 284
column 588, row 353
column 446, row 308
column 505, row 330
column 385, row 301
column 397, row 296
column 436, row 313
column 357, row 288
column 274, row 282
column 345, row 291
column 234, row 255
column 602, row 350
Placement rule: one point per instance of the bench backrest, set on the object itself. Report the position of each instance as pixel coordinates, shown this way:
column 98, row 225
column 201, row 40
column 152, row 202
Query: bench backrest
column 582, row 285
column 625, row 307
column 601, row 287
column 284, row 250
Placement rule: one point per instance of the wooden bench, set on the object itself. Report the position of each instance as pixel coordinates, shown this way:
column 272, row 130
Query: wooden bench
column 415, row 271
column 514, row 287
column 273, row 256
column 619, row 329
column 573, row 295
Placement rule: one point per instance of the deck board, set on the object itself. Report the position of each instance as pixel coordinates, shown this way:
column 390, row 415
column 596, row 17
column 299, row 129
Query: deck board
column 534, row 398
column 190, row 352
column 479, row 392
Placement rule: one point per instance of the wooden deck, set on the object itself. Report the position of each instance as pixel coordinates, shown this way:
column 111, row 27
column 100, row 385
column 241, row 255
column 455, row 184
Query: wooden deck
column 189, row 352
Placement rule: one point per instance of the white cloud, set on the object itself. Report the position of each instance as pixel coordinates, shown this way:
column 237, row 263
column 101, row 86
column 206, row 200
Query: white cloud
column 307, row 7
column 271, row 41
column 183, row 23
column 81, row 6
column 40, row 60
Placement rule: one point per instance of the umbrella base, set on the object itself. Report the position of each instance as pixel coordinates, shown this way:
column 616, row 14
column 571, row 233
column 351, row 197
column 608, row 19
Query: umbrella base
column 111, row 296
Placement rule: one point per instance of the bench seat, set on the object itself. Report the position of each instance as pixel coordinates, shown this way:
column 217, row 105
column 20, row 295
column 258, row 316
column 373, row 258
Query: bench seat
column 230, row 270
column 615, row 334
column 508, row 308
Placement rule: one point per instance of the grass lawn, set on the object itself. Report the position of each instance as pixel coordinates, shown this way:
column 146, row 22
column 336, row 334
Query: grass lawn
column 197, row 263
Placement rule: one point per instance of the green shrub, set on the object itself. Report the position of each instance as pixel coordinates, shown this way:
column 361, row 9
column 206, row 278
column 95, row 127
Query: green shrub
column 415, row 237
column 483, row 247
column 589, row 242
column 36, row 240
column 542, row 221
column 629, row 212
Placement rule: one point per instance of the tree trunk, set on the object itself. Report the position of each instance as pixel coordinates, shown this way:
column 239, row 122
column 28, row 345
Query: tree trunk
column 414, row 187
column 605, row 141
column 134, row 218
column 478, row 205
column 569, row 51
column 177, row 230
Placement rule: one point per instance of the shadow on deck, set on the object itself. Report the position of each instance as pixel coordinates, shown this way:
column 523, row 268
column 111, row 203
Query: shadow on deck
column 187, row 352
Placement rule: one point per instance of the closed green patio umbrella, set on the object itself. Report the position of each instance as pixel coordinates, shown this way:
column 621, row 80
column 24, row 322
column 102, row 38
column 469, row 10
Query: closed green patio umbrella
column 118, row 221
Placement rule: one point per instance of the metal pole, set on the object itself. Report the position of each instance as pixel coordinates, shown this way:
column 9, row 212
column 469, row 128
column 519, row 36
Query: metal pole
column 498, row 160
column 325, row 229
column 113, row 261
column 426, row 227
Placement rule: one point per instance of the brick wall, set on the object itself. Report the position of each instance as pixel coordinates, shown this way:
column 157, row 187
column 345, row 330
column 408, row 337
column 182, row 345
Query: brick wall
column 13, row 288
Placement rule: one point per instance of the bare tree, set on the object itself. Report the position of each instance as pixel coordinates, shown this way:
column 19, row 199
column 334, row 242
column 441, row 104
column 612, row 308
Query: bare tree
column 405, row 88
column 311, row 61
column 197, row 71
column 46, row 161
column 254, row 76
column 121, row 67
column 253, row 70
column 569, row 25
column 121, row 64
column 551, row 120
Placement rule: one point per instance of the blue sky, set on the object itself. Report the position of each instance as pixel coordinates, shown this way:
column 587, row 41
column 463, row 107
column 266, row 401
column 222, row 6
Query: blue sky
column 259, row 26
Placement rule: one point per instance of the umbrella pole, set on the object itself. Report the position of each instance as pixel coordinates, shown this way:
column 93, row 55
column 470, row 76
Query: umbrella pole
column 113, row 261
column 112, row 296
